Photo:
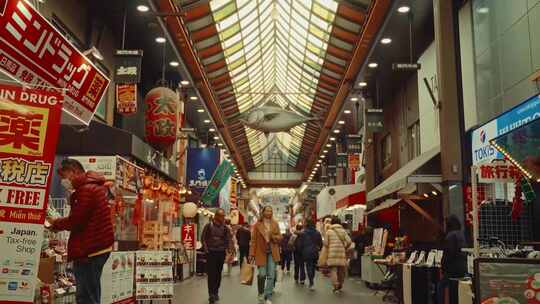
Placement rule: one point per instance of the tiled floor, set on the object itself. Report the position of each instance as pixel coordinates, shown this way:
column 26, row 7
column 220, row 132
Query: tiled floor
column 193, row 291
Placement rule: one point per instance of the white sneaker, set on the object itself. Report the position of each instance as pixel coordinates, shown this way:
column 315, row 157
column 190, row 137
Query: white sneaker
column 261, row 298
column 268, row 301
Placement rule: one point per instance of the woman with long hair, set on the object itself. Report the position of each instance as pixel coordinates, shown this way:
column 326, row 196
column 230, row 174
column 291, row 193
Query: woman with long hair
column 264, row 252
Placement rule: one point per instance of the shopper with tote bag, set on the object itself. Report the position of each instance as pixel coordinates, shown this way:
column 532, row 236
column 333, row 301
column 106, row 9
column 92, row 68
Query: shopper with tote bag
column 264, row 252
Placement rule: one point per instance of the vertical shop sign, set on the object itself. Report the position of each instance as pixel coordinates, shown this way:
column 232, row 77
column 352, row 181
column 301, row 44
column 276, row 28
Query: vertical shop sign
column 201, row 164
column 34, row 52
column 342, row 160
column 29, row 126
column 126, row 98
column 127, row 68
column 188, row 236
column 374, row 120
column 221, row 176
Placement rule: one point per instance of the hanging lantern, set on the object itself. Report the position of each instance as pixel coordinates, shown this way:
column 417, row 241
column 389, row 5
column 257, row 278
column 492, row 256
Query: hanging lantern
column 189, row 210
column 161, row 103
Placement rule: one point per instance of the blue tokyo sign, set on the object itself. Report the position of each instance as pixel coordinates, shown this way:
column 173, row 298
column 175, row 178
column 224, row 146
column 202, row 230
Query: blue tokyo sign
column 482, row 150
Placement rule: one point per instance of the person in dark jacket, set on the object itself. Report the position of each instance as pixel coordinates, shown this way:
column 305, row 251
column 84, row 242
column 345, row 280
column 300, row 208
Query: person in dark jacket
column 91, row 231
column 299, row 267
column 243, row 237
column 216, row 241
column 286, row 253
column 311, row 244
column 454, row 262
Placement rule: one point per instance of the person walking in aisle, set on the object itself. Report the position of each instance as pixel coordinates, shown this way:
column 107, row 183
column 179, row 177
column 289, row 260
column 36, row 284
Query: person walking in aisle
column 337, row 242
column 264, row 252
column 311, row 244
column 92, row 236
column 286, row 253
column 299, row 267
column 243, row 237
column 231, row 254
column 216, row 241
column 454, row 262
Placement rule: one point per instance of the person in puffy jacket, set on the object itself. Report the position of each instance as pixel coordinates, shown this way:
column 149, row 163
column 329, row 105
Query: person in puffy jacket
column 311, row 244
column 337, row 242
column 91, row 231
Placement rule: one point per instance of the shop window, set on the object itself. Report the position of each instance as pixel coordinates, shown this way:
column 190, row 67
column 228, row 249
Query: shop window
column 413, row 140
column 386, row 151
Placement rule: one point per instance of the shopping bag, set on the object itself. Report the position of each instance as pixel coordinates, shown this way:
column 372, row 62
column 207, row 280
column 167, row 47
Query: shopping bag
column 323, row 257
column 246, row 274
column 229, row 258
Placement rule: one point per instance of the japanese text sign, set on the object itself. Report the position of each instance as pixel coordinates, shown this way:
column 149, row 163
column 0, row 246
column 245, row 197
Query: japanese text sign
column 126, row 99
column 127, row 66
column 34, row 52
column 188, row 236
column 500, row 172
column 29, row 126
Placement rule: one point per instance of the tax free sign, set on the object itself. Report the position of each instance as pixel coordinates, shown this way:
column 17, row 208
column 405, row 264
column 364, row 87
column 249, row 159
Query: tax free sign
column 482, row 150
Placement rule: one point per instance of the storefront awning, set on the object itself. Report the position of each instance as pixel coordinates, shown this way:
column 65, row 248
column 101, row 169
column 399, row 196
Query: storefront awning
column 389, row 203
column 398, row 180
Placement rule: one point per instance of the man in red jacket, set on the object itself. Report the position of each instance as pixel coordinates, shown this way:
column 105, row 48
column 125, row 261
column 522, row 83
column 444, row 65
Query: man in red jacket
column 92, row 237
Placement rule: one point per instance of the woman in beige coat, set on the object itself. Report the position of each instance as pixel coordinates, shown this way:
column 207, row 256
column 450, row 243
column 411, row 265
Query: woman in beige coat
column 337, row 241
column 264, row 252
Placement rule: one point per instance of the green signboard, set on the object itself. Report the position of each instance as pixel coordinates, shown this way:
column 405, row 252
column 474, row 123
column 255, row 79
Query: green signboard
column 221, row 175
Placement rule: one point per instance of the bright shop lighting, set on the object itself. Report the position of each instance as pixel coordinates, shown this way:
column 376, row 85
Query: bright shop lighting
column 193, row 97
column 184, row 82
column 404, row 9
column 337, row 131
column 211, row 130
column 328, row 145
column 200, row 110
column 373, row 65
column 354, row 98
column 332, row 138
column 362, row 84
column 161, row 40
column 323, row 156
column 386, row 41
column 216, row 137
column 174, row 63
column 341, row 122
column 426, row 195
column 325, row 151
column 347, row 111
column 434, row 193
column 220, row 145
column 143, row 8
column 207, row 121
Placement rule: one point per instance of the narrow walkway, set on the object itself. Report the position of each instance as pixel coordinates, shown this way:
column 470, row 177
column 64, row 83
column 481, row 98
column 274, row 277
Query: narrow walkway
column 193, row 291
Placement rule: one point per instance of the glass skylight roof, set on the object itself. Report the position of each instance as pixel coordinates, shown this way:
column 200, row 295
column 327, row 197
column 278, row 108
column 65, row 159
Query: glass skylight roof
column 275, row 50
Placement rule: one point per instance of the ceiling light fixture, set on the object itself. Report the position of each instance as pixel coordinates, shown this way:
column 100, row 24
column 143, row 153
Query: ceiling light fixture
column 332, row 138
column 341, row 122
column 320, row 161
column 483, row 10
column 434, row 192
column 161, row 40
column 373, row 65
column 323, row 156
column 426, row 195
column 354, row 98
column 337, row 131
column 174, row 63
column 207, row 121
column 386, row 41
column 325, row 151
column 200, row 110
column 220, row 144
column 347, row 111
column 362, row 84
column 193, row 97
column 329, row 145
column 216, row 137
column 211, row 130
column 143, row 8
column 184, row 82
column 404, row 9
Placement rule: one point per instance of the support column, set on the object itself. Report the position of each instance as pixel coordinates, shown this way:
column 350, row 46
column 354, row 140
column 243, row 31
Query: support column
column 451, row 107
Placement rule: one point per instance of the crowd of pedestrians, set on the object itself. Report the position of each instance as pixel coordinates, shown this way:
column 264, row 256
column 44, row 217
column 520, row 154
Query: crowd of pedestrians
column 266, row 248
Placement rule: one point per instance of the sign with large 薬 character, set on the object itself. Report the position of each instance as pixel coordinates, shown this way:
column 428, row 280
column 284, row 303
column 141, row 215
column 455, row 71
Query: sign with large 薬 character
column 29, row 126
column 34, row 52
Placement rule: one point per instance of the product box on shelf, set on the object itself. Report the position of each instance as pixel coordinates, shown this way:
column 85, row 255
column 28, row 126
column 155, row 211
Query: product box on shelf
column 46, row 270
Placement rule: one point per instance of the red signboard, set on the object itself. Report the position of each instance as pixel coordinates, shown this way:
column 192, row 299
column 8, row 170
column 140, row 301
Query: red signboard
column 34, row 52
column 499, row 172
column 29, row 126
column 126, row 98
column 188, row 236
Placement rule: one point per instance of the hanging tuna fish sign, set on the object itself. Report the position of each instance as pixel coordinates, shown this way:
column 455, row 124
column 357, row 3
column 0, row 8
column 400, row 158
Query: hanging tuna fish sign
column 273, row 119
column 160, row 116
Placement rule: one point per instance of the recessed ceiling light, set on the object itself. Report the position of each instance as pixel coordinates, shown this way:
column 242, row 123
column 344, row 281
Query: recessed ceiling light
column 211, row 130
column 347, row 111
column 317, row 165
column 323, row 156
column 341, row 122
column 216, row 137
column 184, row 82
column 362, row 84
column 200, row 110
column 337, row 131
column 220, row 144
column 354, row 98
column 404, row 9
column 161, row 40
column 207, row 121
column 373, row 65
column 483, row 10
column 174, row 63
column 328, row 145
column 193, row 97
column 386, row 40
column 320, row 161
column 325, row 151
column 143, row 8
column 332, row 138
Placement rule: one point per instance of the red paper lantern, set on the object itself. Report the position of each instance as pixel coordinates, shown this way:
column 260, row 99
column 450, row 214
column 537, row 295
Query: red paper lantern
column 161, row 103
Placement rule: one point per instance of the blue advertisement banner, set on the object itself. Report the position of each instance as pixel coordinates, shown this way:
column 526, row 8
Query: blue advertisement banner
column 201, row 164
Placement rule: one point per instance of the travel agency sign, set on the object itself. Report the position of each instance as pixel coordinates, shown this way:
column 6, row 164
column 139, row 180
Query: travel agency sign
column 482, row 150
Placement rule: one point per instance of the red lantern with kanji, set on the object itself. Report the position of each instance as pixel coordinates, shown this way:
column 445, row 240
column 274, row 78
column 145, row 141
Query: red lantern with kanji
column 161, row 103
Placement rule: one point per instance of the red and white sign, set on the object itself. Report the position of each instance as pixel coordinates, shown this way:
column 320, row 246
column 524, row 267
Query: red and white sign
column 188, row 236
column 499, row 172
column 29, row 126
column 34, row 52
